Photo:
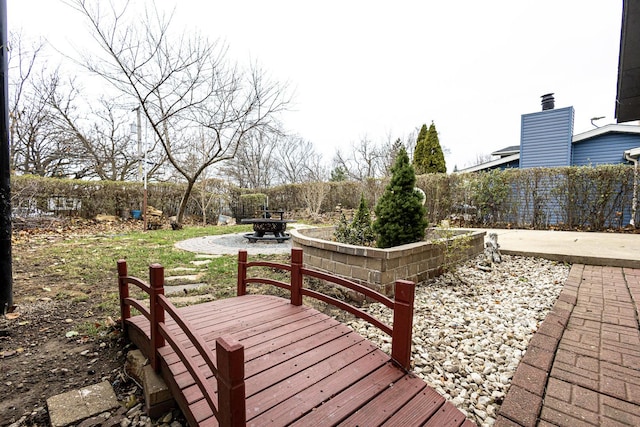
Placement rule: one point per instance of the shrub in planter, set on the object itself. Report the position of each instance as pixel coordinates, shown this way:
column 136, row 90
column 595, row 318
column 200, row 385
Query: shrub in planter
column 400, row 215
column 358, row 231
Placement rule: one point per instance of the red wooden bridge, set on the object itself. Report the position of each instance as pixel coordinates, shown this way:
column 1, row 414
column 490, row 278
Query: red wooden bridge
column 263, row 360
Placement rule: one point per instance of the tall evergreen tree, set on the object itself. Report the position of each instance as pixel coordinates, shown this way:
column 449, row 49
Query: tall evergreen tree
column 428, row 157
column 420, row 153
column 400, row 216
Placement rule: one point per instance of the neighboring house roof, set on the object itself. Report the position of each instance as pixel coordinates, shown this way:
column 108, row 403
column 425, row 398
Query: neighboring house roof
column 492, row 164
column 512, row 153
column 507, row 151
column 605, row 129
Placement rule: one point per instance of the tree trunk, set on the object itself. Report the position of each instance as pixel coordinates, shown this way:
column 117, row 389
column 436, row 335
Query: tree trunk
column 183, row 204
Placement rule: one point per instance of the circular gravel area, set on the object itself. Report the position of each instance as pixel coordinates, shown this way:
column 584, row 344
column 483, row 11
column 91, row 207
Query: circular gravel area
column 230, row 244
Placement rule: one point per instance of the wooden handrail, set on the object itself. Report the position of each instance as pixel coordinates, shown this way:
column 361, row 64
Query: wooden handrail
column 402, row 304
column 348, row 308
column 402, row 322
column 272, row 282
column 230, row 409
column 368, row 292
column 156, row 281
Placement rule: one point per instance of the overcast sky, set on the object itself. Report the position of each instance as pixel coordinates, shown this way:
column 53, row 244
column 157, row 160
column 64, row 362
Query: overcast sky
column 381, row 69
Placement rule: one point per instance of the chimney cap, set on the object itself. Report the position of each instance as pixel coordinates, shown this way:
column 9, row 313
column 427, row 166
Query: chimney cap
column 548, row 102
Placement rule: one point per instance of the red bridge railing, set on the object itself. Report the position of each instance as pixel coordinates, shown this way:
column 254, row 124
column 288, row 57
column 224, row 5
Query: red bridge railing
column 402, row 304
column 228, row 369
column 229, row 409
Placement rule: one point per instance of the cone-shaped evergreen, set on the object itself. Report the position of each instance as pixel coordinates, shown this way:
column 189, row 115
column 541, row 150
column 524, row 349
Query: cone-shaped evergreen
column 428, row 156
column 400, row 216
column 420, row 153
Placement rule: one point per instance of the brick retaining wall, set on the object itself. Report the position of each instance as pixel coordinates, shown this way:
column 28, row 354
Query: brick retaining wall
column 373, row 267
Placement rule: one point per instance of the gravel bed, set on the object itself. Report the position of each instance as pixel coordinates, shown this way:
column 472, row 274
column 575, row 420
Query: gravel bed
column 472, row 328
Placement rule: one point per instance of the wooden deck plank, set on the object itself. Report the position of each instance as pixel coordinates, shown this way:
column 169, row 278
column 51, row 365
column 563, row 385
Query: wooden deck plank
column 228, row 317
column 268, row 360
column 320, row 392
column 351, row 398
column 292, row 367
column 268, row 395
column 384, row 405
column 418, row 410
column 286, row 341
column 286, row 335
column 229, row 320
column 292, row 345
column 447, row 416
column 245, row 320
column 264, row 331
column 200, row 411
column 301, row 368
column 301, row 317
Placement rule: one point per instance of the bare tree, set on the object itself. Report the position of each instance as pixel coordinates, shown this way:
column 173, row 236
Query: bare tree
column 364, row 161
column 255, row 163
column 391, row 148
column 103, row 147
column 298, row 161
column 36, row 146
column 211, row 195
column 55, row 132
column 185, row 86
column 313, row 194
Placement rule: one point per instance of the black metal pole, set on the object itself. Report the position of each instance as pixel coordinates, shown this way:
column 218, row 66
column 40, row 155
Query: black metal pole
column 6, row 278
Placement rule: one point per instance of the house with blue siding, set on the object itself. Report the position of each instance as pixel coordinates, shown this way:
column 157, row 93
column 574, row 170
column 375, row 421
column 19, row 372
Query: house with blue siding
column 604, row 145
column 547, row 140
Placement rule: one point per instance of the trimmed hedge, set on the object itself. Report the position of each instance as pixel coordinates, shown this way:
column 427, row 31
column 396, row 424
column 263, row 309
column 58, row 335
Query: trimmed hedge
column 584, row 198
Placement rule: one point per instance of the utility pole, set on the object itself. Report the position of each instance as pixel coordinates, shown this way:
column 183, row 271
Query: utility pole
column 142, row 167
column 6, row 278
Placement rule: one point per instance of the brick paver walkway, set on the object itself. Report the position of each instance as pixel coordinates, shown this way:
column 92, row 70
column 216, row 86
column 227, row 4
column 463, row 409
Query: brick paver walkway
column 582, row 367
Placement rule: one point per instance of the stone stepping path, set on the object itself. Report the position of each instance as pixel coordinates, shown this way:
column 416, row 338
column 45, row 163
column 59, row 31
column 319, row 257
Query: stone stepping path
column 183, row 289
column 187, row 277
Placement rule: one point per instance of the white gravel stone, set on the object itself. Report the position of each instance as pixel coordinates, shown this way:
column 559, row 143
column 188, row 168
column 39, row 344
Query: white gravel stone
column 469, row 337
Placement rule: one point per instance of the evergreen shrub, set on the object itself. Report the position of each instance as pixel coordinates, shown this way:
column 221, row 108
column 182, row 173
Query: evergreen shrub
column 359, row 231
column 400, row 216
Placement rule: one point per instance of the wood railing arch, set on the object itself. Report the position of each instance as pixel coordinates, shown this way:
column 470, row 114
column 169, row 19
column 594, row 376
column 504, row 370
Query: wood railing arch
column 402, row 304
column 229, row 408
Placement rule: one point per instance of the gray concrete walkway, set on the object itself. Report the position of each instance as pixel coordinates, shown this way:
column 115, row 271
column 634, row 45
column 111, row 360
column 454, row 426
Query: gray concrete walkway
column 608, row 249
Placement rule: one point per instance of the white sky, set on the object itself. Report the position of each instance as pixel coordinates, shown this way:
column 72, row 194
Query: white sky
column 381, row 69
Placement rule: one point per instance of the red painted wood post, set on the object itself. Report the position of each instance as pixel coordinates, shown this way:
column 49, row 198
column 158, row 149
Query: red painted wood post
column 156, row 281
column 242, row 273
column 123, row 290
column 403, row 322
column 231, row 389
column 296, row 276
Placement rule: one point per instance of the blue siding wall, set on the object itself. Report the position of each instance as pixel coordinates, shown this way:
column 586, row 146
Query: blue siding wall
column 603, row 149
column 545, row 138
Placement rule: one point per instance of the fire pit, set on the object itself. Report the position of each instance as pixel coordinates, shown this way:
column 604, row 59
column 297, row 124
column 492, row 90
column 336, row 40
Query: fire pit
column 267, row 224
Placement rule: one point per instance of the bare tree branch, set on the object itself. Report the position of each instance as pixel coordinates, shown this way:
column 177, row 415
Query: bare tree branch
column 186, row 87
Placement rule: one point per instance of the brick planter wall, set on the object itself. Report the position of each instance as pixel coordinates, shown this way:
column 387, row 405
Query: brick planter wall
column 373, row 267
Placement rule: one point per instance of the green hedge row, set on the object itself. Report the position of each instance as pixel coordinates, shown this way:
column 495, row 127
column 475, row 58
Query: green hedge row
column 593, row 198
